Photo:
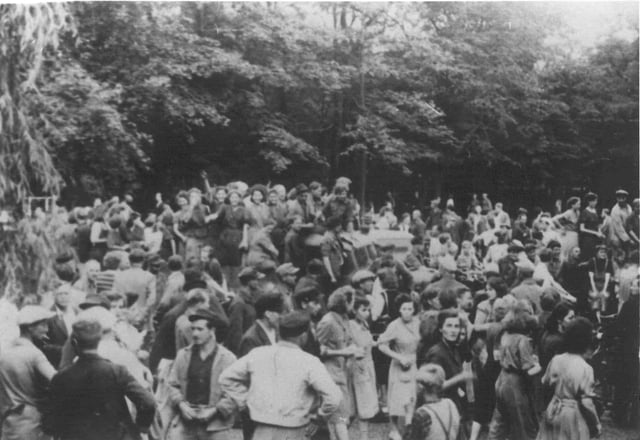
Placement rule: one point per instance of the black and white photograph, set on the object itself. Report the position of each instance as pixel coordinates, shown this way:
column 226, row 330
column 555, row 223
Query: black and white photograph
column 274, row 220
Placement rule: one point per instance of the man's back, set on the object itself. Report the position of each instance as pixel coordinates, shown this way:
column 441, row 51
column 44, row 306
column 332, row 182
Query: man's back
column 280, row 384
column 87, row 400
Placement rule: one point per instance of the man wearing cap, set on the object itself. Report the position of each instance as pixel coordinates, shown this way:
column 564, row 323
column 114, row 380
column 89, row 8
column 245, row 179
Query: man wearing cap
column 202, row 408
column 362, row 281
column 280, row 383
column 269, row 307
column 619, row 213
column 87, row 399
column 24, row 374
column 196, row 299
column 507, row 264
column 139, row 286
column 286, row 282
column 242, row 313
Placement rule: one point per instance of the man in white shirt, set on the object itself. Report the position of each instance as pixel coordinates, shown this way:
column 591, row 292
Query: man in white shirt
column 280, row 383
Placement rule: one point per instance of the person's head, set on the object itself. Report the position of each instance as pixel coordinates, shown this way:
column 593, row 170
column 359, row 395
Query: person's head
column 578, row 335
column 316, row 189
column 175, row 263
column 591, row 199
column 477, row 209
column 66, row 273
column 302, row 192
column 234, row 197
column 601, row 252
column 33, row 322
column 406, row 307
column 499, row 207
column 549, row 299
column 362, row 308
column 269, row 307
column 257, row 196
column 340, row 192
column 86, row 335
column 621, row 196
column 195, row 196
column 117, row 300
column 574, row 253
column 315, row 267
column 308, row 300
column 136, row 257
column 221, row 194
column 560, row 317
column 294, row 327
column 448, row 299
column 287, row 273
column 444, row 238
column 416, row 214
column 465, row 300
column 449, row 325
column 531, row 250
column 93, row 268
column 522, row 322
column 197, row 298
column 429, row 299
column 555, row 247
column 430, row 378
column 545, row 255
column 500, row 309
column 364, row 280
column 182, row 199
column 496, row 287
column 573, row 203
column 341, row 300
column 272, row 197
column 204, row 324
column 62, row 298
column 249, row 277
column 522, row 215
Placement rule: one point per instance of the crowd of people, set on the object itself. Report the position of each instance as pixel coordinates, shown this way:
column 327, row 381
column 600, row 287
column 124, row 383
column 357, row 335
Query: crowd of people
column 245, row 307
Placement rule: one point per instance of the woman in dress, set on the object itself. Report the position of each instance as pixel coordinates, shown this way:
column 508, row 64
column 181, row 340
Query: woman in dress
column 571, row 414
column 364, row 373
column 448, row 354
column 257, row 208
column 590, row 235
column 180, row 219
column 567, row 222
column 234, row 223
column 600, row 270
column 337, row 351
column 514, row 416
column 400, row 342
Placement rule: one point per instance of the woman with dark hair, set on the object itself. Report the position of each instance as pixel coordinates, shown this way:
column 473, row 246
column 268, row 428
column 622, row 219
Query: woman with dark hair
column 551, row 341
column 573, row 279
column 496, row 288
column 600, row 270
column 400, row 342
column 567, row 222
column 234, row 225
column 337, row 350
column 364, row 373
column 571, row 414
column 448, row 354
column 514, row 416
column 590, row 235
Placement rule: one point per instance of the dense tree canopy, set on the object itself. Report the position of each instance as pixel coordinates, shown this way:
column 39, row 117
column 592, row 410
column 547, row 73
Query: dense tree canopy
column 439, row 98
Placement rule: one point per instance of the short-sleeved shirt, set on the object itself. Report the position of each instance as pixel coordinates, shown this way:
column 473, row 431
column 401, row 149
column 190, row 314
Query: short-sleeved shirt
column 24, row 374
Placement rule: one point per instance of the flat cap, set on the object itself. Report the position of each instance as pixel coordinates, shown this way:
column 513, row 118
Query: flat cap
column 287, row 269
column 94, row 300
column 362, row 275
column 218, row 321
column 343, row 181
column 294, row 323
column 194, row 284
column 249, row 273
column 622, row 192
column 31, row 314
column 87, row 330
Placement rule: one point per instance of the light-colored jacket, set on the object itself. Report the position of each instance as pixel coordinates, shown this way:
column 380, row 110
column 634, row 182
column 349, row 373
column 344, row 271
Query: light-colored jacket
column 226, row 407
column 279, row 384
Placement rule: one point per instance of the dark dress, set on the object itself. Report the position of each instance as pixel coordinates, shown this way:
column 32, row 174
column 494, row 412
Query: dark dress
column 588, row 242
column 232, row 221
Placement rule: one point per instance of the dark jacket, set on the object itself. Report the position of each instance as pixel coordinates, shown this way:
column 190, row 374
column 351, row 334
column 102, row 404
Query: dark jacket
column 87, row 401
column 56, row 338
column 252, row 338
column 242, row 315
